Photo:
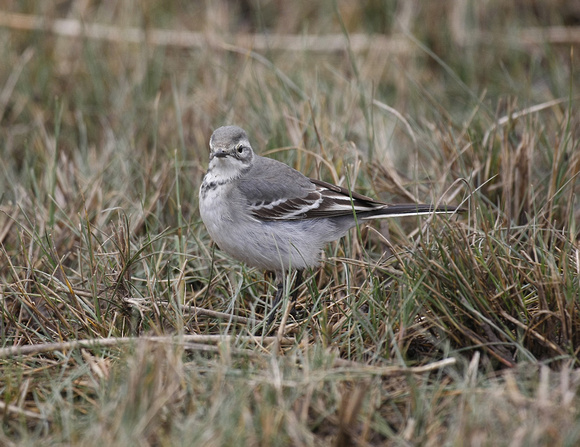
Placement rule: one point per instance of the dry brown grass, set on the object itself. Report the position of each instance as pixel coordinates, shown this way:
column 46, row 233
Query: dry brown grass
column 121, row 324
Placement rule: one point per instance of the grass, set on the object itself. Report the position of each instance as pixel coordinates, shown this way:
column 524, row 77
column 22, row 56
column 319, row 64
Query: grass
column 121, row 323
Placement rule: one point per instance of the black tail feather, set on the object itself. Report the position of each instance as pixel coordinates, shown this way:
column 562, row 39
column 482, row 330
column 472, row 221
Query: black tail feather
column 409, row 209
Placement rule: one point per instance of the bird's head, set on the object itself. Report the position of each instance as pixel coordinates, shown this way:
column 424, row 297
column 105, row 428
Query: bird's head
column 230, row 145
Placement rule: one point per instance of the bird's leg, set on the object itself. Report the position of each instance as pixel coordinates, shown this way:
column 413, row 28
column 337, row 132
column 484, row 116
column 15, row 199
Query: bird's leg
column 280, row 292
column 277, row 299
column 297, row 284
column 294, row 296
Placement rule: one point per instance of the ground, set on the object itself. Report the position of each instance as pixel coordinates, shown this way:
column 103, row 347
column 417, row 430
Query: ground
column 122, row 324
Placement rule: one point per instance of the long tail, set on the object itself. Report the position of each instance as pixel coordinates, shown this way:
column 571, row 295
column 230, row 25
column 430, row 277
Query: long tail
column 408, row 209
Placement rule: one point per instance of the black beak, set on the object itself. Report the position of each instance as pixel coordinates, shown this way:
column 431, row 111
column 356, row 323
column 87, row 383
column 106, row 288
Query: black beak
column 220, row 154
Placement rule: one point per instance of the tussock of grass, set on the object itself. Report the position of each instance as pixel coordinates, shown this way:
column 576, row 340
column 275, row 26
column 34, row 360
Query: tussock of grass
column 121, row 323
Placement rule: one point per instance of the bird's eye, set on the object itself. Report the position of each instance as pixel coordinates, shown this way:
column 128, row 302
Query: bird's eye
column 240, row 149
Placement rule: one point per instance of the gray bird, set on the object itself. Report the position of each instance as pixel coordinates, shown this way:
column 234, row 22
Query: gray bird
column 270, row 216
